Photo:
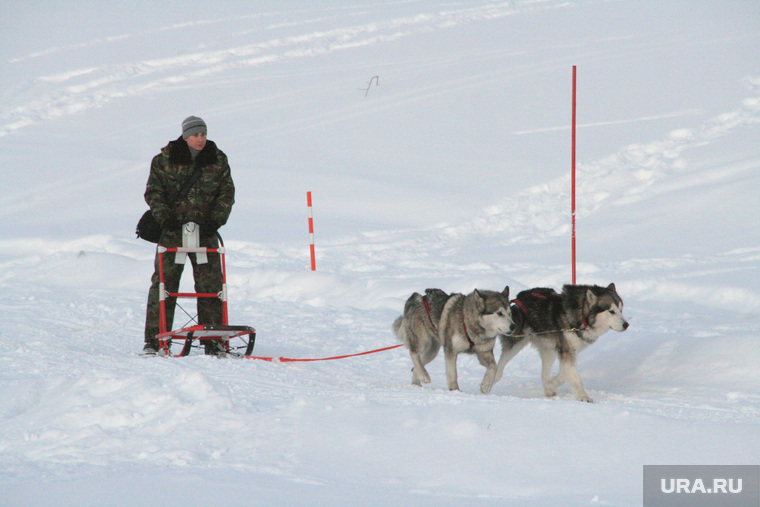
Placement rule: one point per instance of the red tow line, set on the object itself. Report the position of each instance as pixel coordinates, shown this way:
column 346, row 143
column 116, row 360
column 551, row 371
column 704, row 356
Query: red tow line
column 291, row 360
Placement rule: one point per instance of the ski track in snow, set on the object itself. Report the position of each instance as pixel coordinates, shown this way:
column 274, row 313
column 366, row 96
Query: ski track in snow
column 77, row 90
column 620, row 178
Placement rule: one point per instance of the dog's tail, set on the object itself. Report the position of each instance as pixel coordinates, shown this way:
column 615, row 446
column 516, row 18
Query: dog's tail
column 398, row 329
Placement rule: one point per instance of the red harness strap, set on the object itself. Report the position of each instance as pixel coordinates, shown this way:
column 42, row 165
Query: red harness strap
column 466, row 335
column 426, row 305
column 521, row 305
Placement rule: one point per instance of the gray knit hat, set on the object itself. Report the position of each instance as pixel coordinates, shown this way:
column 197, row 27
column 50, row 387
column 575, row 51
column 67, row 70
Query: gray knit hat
column 193, row 125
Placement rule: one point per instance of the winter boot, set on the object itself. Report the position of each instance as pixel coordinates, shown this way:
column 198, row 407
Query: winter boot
column 152, row 348
column 215, row 348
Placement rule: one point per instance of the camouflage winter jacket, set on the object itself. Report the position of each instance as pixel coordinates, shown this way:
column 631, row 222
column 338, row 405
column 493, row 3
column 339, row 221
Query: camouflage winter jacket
column 210, row 198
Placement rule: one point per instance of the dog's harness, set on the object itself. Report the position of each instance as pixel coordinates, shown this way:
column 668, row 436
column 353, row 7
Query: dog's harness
column 426, row 305
column 578, row 331
column 520, row 305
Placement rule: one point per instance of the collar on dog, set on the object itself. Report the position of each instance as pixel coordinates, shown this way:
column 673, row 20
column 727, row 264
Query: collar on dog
column 426, row 305
column 466, row 335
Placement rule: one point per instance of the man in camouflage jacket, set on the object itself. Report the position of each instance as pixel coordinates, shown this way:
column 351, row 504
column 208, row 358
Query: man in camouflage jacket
column 208, row 204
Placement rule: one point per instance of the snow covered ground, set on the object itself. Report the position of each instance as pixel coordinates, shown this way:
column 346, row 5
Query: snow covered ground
column 451, row 170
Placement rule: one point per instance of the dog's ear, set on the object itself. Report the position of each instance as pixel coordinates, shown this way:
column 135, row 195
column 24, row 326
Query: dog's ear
column 479, row 303
column 611, row 287
column 590, row 297
column 505, row 292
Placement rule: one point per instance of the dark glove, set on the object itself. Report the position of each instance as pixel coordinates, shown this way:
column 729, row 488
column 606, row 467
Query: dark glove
column 209, row 226
column 171, row 223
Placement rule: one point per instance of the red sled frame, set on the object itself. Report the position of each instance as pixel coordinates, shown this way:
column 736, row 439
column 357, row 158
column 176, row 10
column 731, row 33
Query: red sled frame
column 222, row 332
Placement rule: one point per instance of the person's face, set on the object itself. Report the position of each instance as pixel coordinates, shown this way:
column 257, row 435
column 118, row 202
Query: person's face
column 197, row 141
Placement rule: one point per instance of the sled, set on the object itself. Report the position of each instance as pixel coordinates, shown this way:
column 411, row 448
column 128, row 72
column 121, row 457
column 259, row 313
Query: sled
column 224, row 333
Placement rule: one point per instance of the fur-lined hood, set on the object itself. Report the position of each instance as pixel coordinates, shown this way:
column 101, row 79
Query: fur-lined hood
column 179, row 153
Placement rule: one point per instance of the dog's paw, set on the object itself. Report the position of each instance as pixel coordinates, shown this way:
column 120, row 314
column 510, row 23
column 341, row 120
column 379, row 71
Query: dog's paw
column 550, row 393
column 421, row 377
column 585, row 399
column 485, row 387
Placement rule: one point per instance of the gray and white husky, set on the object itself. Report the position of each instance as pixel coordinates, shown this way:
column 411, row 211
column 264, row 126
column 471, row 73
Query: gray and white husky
column 560, row 326
column 417, row 329
column 471, row 324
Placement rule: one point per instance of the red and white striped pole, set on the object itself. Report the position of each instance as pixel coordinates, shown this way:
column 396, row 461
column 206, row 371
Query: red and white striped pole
column 311, row 232
column 572, row 178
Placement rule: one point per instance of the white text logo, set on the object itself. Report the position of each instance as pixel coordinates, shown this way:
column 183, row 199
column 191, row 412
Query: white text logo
column 698, row 486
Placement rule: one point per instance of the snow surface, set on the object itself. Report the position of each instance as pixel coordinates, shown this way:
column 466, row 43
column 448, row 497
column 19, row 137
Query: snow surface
column 449, row 170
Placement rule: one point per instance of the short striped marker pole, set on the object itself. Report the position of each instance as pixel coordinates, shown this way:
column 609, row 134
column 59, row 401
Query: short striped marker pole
column 311, row 232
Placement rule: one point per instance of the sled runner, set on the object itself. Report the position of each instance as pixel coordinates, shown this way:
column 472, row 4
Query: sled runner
column 223, row 333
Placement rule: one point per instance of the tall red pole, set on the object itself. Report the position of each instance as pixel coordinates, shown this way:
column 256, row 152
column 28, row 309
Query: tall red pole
column 311, row 233
column 572, row 199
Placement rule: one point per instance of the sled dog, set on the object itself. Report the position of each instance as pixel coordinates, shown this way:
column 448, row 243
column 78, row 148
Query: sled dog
column 471, row 324
column 417, row 329
column 560, row 326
